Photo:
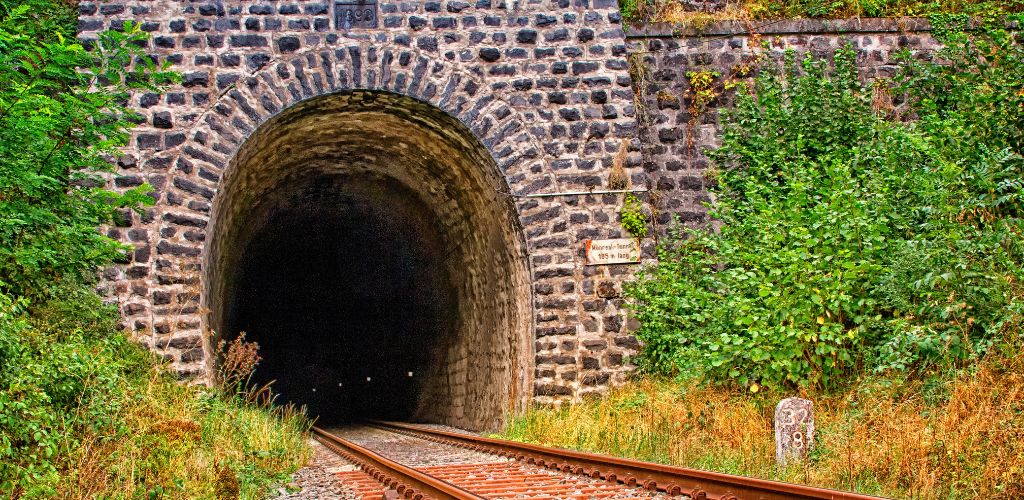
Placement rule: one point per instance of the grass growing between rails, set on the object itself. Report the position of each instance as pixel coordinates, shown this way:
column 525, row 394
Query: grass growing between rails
column 958, row 437
column 86, row 413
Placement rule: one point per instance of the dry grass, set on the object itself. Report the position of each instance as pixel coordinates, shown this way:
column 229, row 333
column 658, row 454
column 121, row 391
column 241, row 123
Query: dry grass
column 237, row 360
column 959, row 438
column 179, row 441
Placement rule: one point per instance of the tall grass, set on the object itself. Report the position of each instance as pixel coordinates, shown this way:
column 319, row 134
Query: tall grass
column 959, row 436
column 179, row 441
column 87, row 413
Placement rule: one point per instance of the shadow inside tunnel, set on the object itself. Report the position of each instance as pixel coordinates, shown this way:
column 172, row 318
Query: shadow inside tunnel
column 345, row 292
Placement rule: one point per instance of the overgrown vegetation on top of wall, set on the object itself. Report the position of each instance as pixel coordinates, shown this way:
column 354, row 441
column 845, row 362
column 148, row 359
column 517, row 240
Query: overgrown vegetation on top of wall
column 699, row 12
column 84, row 412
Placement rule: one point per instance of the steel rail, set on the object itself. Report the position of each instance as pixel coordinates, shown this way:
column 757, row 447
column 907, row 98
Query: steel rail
column 697, row 484
column 409, row 482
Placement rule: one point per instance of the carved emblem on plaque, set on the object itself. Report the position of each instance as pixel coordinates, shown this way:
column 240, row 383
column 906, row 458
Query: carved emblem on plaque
column 349, row 14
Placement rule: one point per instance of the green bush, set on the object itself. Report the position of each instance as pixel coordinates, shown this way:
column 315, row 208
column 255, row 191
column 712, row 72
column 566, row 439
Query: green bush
column 84, row 413
column 848, row 239
column 63, row 114
column 56, row 377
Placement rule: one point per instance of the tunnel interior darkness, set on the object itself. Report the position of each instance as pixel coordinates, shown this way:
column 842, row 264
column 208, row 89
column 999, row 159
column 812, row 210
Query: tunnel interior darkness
column 363, row 241
column 343, row 348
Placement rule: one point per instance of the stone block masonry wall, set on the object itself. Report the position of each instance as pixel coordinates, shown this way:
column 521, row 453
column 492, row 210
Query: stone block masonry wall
column 543, row 85
column 674, row 142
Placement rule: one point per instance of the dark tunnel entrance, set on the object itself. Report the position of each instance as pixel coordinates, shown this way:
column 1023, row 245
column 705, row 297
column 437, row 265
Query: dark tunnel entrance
column 347, row 290
column 364, row 236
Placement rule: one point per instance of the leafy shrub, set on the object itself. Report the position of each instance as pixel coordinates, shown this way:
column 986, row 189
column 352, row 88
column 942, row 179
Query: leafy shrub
column 847, row 239
column 63, row 114
column 55, row 378
column 85, row 413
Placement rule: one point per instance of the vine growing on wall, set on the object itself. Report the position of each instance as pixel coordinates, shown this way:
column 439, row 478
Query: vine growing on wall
column 703, row 91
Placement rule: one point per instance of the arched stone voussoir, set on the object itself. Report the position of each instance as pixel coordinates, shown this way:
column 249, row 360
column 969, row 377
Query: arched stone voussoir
column 282, row 84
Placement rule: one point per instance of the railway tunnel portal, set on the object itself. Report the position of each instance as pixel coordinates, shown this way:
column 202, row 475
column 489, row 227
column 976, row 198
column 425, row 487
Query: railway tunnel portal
column 410, row 193
column 366, row 241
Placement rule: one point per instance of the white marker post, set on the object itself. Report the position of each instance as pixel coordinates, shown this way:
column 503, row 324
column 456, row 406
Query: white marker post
column 794, row 430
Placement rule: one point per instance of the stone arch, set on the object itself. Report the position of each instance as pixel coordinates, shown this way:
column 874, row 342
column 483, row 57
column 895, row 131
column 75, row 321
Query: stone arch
column 407, row 88
column 544, row 87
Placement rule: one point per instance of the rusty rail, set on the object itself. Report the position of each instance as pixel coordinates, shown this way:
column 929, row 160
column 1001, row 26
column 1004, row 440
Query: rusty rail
column 408, row 482
column 697, row 484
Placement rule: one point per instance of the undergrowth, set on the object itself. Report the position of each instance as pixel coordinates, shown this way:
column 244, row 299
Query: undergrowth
column 869, row 258
column 952, row 437
column 851, row 241
column 85, row 412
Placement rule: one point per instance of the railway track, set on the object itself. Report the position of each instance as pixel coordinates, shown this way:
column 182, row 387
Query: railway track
column 416, row 462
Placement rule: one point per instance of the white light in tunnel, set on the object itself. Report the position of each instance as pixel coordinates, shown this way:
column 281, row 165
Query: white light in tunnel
column 367, row 379
column 410, row 374
column 314, row 389
column 339, row 384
